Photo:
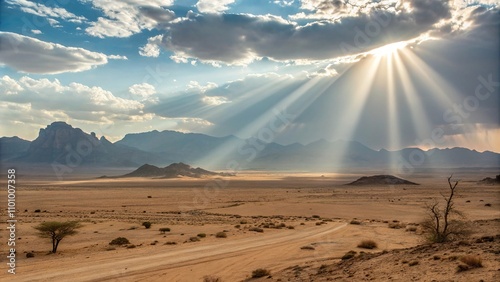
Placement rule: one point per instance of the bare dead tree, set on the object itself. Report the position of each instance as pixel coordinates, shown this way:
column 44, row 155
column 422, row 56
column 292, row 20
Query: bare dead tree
column 439, row 225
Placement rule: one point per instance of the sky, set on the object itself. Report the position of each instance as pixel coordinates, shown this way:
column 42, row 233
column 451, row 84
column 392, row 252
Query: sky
column 389, row 74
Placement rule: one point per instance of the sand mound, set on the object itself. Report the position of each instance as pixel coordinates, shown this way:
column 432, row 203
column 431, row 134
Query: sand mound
column 381, row 180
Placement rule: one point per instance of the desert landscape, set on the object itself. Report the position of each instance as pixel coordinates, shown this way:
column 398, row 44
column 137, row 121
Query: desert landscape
column 296, row 226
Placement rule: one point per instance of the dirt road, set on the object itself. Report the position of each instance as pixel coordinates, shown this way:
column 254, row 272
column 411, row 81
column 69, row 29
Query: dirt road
column 231, row 259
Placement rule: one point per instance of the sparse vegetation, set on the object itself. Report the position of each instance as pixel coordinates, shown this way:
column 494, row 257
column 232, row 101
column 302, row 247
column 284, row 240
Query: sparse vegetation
column 355, row 222
column 256, row 229
column 411, row 228
column 146, row 224
column 367, row 244
column 194, row 239
column 307, row 248
column 472, row 261
column 221, row 235
column 30, row 255
column 260, row 272
column 119, row 241
column 210, row 278
column 413, row 263
column 202, row 235
column 164, row 229
column 439, row 227
column 56, row 231
column 349, row 255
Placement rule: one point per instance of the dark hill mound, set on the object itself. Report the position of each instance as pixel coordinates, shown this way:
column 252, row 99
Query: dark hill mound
column 381, row 180
column 172, row 171
column 491, row 181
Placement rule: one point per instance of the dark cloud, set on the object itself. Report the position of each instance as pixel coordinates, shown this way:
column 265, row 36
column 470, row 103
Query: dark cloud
column 31, row 55
column 241, row 38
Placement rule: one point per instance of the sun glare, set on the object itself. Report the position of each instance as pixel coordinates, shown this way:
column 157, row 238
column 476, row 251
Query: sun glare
column 388, row 49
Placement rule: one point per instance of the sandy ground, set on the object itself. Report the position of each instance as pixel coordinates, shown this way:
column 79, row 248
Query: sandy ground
column 314, row 210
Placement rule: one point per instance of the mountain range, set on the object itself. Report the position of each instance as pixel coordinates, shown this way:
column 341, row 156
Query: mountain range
column 60, row 143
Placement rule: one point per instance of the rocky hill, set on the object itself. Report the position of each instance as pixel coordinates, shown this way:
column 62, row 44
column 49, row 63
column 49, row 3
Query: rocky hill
column 381, row 180
column 172, row 171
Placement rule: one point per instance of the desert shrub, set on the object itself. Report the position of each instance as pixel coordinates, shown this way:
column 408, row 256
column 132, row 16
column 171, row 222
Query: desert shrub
column 237, row 226
column 119, row 241
column 146, row 224
column 220, row 235
column 290, row 227
column 281, row 225
column 38, row 210
column 413, row 263
column 411, row 228
column 307, row 248
column 171, row 243
column 319, row 223
column 256, row 229
column 260, row 272
column 396, row 225
column 30, row 255
column 194, row 239
column 202, row 235
column 316, row 216
column 164, row 229
column 367, row 244
column 355, row 222
column 210, row 278
column 243, row 222
column 487, row 205
column 472, row 261
column 131, row 246
column 349, row 255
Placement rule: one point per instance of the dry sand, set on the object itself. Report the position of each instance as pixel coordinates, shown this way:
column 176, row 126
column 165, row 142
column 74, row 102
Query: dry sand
column 319, row 208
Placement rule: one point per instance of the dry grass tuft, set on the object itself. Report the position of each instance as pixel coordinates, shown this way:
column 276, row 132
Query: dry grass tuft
column 472, row 261
column 210, row 278
column 367, row 244
column 260, row 272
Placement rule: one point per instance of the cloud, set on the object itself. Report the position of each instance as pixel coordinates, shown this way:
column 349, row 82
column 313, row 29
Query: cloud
column 75, row 100
column 195, row 85
column 210, row 6
column 152, row 48
column 125, row 18
column 45, row 11
column 328, row 71
column 36, row 31
column 239, row 39
column 117, row 57
column 143, row 90
column 27, row 54
column 214, row 100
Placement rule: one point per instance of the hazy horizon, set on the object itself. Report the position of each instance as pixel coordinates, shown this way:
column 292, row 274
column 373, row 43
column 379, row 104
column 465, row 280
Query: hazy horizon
column 387, row 74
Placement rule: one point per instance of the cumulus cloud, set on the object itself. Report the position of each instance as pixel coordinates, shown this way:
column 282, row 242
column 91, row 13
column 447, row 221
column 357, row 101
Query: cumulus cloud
column 210, row 6
column 196, row 86
column 328, row 71
column 152, row 48
column 36, row 31
column 75, row 100
column 125, row 18
column 45, row 11
column 143, row 90
column 27, row 54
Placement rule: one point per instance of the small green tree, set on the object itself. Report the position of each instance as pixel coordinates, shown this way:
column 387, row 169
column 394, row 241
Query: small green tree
column 56, row 231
